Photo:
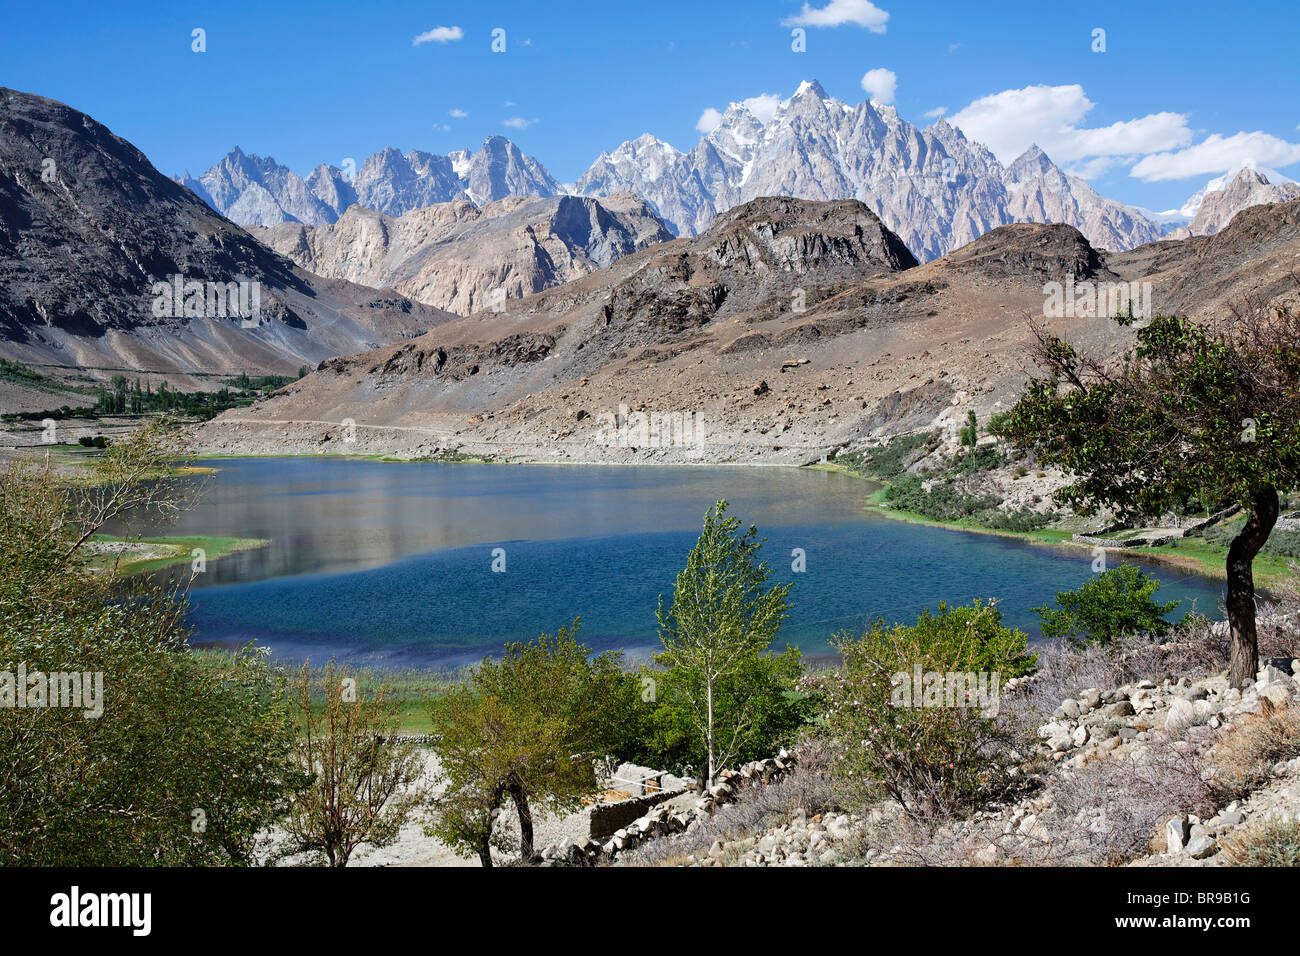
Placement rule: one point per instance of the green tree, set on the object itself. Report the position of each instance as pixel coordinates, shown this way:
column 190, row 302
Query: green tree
column 721, row 619
column 363, row 784
column 969, row 433
column 1112, row 604
column 1205, row 412
column 528, row 726
column 761, row 695
column 187, row 758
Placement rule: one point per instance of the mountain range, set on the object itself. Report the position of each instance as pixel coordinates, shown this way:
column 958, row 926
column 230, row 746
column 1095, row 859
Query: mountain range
column 108, row 264
column 787, row 330
column 458, row 256
column 257, row 191
column 935, row 188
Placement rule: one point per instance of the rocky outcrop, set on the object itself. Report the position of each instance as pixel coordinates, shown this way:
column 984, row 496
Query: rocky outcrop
column 462, row 258
column 1217, row 207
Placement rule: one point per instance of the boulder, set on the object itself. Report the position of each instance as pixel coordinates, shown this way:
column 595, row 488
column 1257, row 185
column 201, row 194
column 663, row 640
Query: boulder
column 1177, row 831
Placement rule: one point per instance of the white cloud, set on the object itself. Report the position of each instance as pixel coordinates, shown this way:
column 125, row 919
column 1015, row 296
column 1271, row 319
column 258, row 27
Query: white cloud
column 1010, row 122
column 1092, row 168
column 709, row 121
column 880, row 84
column 518, row 122
column 457, row 114
column 936, row 112
column 1217, row 153
column 763, row 106
column 838, row 12
column 439, row 35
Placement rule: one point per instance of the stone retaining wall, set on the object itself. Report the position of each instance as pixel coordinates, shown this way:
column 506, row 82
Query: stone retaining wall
column 664, row 820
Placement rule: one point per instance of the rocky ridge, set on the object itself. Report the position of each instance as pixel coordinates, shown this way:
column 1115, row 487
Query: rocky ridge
column 88, row 228
column 464, row 258
column 257, row 191
column 933, row 187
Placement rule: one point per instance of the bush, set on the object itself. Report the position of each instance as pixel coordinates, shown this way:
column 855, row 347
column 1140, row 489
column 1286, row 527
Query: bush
column 188, row 757
column 936, row 760
column 1244, row 759
column 945, row 502
column 892, row 458
column 1112, row 604
column 1286, row 543
column 1110, row 811
column 1274, row 842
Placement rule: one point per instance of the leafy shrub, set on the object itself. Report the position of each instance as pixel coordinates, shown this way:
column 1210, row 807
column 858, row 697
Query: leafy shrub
column 936, row 761
column 944, row 502
column 1274, row 842
column 1112, row 604
column 892, row 458
column 1286, row 543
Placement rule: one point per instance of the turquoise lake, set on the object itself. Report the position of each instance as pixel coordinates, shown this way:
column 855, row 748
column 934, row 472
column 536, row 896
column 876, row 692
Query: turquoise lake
column 392, row 564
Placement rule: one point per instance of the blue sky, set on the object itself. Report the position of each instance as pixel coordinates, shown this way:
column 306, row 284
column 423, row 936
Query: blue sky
column 1200, row 86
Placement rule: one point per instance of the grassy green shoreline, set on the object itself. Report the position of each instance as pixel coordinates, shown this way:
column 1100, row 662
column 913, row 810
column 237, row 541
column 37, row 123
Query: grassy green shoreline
column 177, row 549
column 1189, row 554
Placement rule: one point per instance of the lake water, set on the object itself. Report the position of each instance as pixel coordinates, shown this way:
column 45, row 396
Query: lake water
column 391, row 564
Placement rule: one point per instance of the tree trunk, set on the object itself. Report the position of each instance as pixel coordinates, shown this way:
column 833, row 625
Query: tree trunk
column 709, row 729
column 525, row 823
column 485, row 854
column 1240, row 602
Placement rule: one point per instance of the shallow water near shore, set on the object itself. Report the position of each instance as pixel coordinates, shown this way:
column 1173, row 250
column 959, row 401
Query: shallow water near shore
column 392, row 564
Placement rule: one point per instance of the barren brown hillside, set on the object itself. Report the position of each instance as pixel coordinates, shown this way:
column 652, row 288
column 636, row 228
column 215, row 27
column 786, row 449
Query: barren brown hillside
column 789, row 329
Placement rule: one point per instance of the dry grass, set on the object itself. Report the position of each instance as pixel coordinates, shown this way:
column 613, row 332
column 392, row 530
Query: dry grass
column 1244, row 759
column 1270, row 842
column 1109, row 810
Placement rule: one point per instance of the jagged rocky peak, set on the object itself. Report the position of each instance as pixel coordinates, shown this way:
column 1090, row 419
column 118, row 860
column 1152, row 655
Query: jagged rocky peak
column 500, row 169
column 934, row 187
column 1032, row 162
column 1222, row 199
column 257, row 191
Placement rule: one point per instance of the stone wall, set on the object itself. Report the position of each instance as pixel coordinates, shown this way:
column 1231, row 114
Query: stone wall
column 663, row 820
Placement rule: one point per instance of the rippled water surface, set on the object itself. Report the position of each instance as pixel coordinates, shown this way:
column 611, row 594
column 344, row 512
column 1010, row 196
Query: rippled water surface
column 392, row 563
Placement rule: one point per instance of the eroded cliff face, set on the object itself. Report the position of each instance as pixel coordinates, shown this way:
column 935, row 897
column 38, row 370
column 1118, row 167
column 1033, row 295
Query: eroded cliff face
column 462, row 258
